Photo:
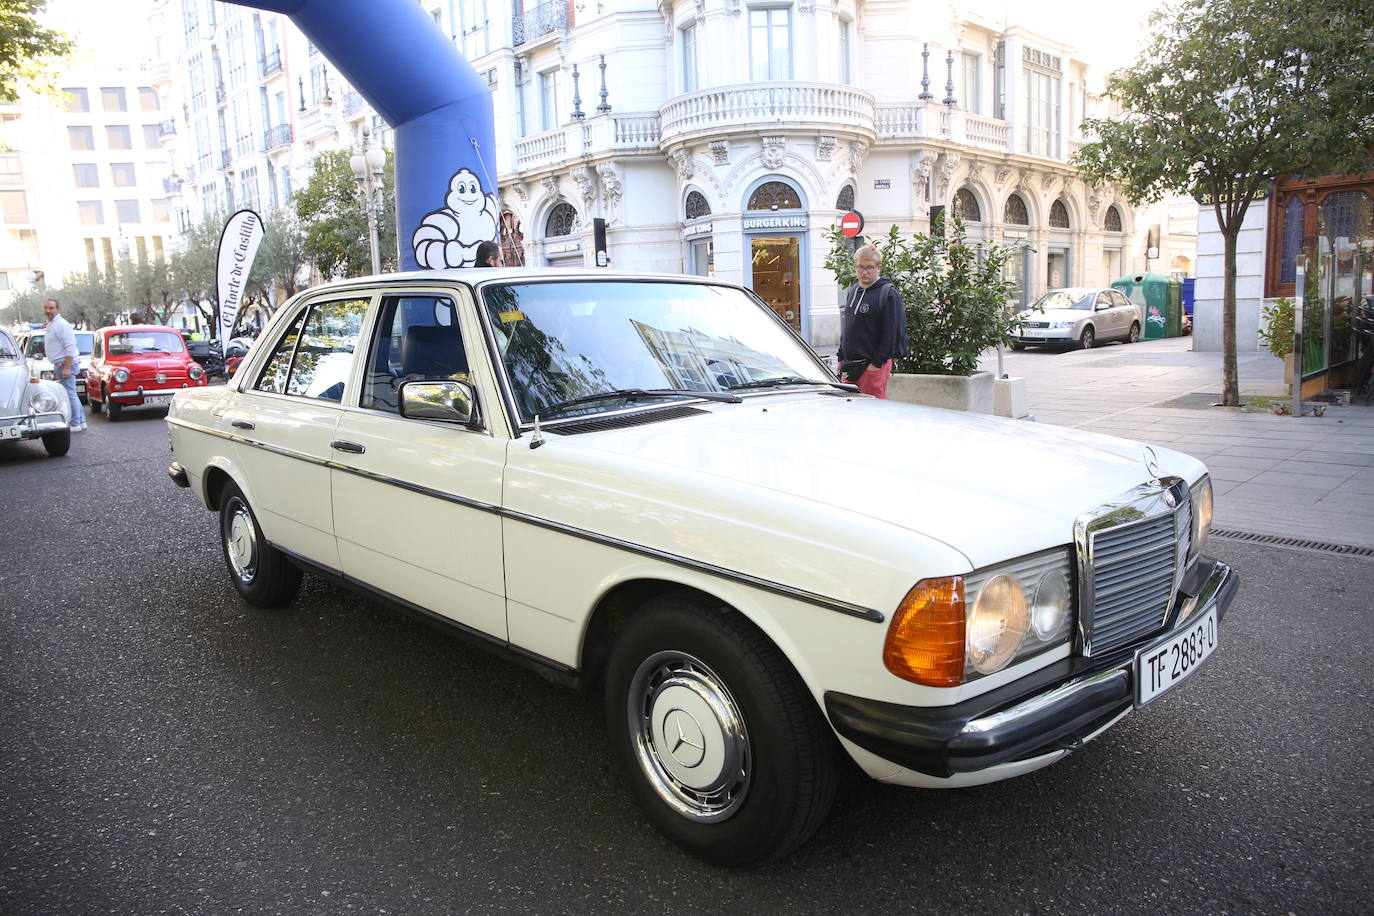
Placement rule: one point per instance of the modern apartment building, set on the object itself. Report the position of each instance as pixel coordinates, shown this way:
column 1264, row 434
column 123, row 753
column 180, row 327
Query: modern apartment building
column 82, row 178
column 710, row 136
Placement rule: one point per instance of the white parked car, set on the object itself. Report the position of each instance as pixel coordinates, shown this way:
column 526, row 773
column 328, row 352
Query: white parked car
column 31, row 407
column 650, row 488
column 31, row 345
column 1080, row 316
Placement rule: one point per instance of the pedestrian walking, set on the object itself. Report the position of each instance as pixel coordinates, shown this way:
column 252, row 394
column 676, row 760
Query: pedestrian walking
column 873, row 326
column 60, row 343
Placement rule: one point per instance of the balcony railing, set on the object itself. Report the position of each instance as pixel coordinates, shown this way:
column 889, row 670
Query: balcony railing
column 634, row 131
column 830, row 105
column 270, row 63
column 544, row 19
column 541, row 148
column 622, row 135
column 276, row 136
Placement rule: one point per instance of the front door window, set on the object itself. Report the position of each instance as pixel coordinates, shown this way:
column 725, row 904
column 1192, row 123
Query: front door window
column 776, row 266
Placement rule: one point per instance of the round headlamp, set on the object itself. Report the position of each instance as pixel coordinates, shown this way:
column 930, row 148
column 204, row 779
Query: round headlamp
column 997, row 624
column 43, row 401
column 195, row 372
column 121, row 375
column 49, row 375
column 1049, row 613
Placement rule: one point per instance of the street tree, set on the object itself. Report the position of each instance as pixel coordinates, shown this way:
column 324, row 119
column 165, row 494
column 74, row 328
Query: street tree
column 27, row 48
column 281, row 260
column 335, row 221
column 192, row 266
column 148, row 289
column 1229, row 95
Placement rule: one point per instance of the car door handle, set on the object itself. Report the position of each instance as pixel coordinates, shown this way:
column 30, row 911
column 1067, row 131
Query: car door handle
column 344, row 445
column 241, row 424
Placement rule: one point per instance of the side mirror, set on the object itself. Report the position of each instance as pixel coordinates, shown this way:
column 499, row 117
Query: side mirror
column 1102, row 306
column 451, row 402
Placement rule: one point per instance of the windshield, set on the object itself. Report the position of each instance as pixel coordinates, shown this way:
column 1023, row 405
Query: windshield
column 127, row 342
column 85, row 342
column 7, row 348
column 568, row 341
column 1080, row 299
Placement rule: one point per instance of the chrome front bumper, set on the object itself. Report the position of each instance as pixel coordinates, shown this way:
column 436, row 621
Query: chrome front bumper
column 35, row 425
column 1058, row 708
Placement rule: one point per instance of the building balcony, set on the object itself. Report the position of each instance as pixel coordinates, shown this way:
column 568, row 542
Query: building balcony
column 167, row 129
column 821, row 107
column 277, row 136
column 159, row 73
column 352, row 103
column 618, row 134
column 933, row 121
column 545, row 19
column 270, row 63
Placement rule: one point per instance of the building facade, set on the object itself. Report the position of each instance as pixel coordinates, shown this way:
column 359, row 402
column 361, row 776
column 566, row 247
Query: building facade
column 716, row 137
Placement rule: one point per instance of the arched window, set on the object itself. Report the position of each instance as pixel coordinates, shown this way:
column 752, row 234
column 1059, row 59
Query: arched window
column 561, row 220
column 697, row 206
column 775, row 195
column 1015, row 213
column 1059, row 215
column 1294, row 217
column 846, row 199
column 1111, row 222
column 966, row 206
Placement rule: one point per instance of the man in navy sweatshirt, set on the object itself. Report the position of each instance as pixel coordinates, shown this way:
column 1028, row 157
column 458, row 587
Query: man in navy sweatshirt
column 873, row 326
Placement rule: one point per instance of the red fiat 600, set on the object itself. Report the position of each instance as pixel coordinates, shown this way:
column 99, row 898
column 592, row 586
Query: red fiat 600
column 139, row 366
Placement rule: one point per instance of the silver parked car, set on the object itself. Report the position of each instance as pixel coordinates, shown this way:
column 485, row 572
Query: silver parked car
column 31, row 407
column 1080, row 316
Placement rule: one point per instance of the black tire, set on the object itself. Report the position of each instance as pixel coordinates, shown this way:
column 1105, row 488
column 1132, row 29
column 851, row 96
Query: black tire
column 58, row 443
column 685, row 663
column 1088, row 338
column 97, row 406
column 1133, row 336
column 1017, row 346
column 261, row 573
column 113, row 409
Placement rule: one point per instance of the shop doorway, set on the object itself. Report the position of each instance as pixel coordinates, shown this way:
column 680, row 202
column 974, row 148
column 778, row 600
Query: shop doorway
column 775, row 275
column 1057, row 268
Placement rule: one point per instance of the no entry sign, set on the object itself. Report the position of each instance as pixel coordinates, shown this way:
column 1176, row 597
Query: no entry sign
column 852, row 223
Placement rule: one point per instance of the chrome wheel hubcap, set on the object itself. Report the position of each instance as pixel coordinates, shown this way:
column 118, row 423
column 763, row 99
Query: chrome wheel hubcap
column 689, row 736
column 241, row 544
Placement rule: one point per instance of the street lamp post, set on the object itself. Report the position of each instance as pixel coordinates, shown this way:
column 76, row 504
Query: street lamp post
column 367, row 169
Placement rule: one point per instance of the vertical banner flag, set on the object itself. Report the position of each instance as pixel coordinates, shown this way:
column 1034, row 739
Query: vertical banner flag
column 238, row 246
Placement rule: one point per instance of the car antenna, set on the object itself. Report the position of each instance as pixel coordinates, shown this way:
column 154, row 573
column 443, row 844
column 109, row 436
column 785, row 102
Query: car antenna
column 538, row 438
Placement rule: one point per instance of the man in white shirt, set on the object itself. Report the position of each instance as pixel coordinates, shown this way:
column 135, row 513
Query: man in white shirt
column 60, row 343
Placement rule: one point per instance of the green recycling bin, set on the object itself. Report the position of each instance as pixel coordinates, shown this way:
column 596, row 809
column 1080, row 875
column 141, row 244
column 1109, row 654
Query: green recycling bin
column 1160, row 297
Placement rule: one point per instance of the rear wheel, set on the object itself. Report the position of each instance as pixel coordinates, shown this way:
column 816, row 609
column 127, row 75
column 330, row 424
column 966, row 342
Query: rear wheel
column 261, row 573
column 1134, row 335
column 58, row 443
column 1087, row 338
column 720, row 740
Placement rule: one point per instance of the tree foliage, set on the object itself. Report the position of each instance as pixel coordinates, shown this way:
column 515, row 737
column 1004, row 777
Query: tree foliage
column 331, row 211
column 954, row 291
column 1229, row 95
column 26, row 47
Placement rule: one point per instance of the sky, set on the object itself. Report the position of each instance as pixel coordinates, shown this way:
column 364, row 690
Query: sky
column 1106, row 33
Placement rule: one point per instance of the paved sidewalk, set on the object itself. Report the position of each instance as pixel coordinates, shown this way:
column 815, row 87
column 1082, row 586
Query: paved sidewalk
column 1302, row 477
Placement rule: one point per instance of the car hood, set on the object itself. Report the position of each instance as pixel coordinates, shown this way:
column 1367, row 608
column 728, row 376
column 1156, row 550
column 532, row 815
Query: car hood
column 1056, row 315
column 986, row 486
column 14, row 377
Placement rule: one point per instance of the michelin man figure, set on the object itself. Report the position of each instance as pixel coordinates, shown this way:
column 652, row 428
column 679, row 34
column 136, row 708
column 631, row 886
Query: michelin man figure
column 449, row 236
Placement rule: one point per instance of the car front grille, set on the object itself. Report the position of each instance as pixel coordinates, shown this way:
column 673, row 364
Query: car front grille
column 1132, row 569
column 1036, row 324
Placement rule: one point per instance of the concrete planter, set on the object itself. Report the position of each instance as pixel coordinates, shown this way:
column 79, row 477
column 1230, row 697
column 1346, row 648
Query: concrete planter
column 972, row 393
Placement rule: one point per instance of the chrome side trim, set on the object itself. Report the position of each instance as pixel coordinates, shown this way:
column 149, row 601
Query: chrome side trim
column 777, row 588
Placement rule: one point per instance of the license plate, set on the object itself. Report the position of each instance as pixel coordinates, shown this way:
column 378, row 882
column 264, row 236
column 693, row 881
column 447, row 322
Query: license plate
column 1164, row 665
column 11, row 432
column 153, row 400
column 1033, row 332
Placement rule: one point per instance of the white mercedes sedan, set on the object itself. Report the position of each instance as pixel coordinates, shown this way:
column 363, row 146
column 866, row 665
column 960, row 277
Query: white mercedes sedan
column 651, row 489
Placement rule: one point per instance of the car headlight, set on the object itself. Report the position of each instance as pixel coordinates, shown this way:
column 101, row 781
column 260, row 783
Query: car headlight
column 1061, row 325
column 195, row 372
column 1201, row 494
column 48, row 374
column 951, row 630
column 43, row 401
column 121, row 375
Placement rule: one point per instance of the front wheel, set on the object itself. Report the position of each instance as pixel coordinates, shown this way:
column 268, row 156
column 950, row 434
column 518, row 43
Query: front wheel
column 720, row 740
column 96, row 406
column 1134, row 335
column 1087, row 338
column 58, row 443
column 261, row 573
column 113, row 409
column 1017, row 346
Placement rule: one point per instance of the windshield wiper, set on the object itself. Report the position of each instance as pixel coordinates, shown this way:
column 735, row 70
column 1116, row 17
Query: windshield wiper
column 634, row 394
column 789, row 380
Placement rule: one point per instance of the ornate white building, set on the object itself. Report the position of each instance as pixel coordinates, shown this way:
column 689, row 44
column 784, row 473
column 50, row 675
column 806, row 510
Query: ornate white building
column 710, row 136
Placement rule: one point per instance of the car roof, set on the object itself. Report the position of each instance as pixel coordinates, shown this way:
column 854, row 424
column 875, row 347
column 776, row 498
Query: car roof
column 1077, row 290
column 139, row 327
column 474, row 275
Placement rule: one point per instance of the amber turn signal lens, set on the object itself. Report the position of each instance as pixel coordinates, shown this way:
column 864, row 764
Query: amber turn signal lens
column 925, row 642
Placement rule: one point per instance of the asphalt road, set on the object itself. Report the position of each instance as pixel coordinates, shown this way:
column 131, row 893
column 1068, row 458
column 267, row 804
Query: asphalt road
column 165, row 749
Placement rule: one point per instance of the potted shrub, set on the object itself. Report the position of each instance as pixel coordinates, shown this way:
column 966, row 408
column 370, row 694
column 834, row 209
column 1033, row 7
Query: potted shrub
column 1277, row 333
column 956, row 308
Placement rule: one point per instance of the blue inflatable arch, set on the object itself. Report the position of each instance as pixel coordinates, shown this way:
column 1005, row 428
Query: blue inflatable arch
column 412, row 75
